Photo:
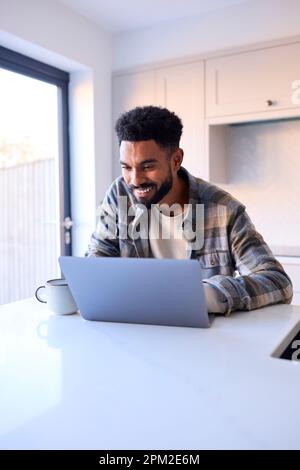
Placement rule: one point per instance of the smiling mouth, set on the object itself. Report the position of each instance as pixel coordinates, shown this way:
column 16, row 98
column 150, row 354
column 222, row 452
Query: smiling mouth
column 143, row 191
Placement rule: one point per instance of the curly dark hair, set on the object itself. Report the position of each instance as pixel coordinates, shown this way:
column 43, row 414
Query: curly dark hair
column 150, row 122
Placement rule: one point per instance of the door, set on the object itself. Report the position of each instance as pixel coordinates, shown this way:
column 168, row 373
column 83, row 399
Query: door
column 35, row 212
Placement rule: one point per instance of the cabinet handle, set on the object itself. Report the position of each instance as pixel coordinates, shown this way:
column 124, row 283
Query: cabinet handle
column 269, row 103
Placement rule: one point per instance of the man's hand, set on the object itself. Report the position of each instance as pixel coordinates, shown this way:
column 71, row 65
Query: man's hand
column 216, row 302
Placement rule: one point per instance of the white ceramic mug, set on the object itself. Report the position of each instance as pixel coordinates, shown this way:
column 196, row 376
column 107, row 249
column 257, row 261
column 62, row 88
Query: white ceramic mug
column 58, row 297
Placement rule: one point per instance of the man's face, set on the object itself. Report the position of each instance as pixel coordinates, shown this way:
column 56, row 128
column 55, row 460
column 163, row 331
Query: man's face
column 147, row 170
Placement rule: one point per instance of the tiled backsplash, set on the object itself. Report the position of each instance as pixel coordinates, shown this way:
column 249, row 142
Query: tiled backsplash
column 263, row 169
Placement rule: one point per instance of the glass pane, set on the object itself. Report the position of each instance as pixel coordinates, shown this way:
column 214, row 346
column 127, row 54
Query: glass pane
column 29, row 185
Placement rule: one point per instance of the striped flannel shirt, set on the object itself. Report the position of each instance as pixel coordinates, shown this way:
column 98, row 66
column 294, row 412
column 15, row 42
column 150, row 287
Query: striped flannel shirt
column 233, row 256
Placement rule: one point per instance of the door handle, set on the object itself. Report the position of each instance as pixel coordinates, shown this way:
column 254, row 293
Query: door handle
column 68, row 223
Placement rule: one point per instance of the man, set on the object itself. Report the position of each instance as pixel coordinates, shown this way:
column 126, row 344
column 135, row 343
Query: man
column 157, row 209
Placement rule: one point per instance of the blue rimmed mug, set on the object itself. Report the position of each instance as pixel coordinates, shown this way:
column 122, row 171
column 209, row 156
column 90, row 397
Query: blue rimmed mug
column 57, row 296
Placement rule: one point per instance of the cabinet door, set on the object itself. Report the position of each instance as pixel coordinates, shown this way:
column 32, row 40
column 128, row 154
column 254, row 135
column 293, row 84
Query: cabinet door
column 255, row 81
column 180, row 88
column 129, row 91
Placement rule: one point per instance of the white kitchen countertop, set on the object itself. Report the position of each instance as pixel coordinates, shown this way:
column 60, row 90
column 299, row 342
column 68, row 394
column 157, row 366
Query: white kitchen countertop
column 286, row 251
column 71, row 384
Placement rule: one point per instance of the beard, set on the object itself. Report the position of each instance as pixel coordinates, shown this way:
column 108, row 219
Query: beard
column 156, row 194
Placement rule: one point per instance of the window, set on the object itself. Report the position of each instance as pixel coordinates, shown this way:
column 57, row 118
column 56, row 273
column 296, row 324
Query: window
column 34, row 174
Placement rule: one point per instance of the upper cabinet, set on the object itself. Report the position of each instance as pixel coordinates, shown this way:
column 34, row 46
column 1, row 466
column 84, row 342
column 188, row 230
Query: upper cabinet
column 128, row 91
column 180, row 88
column 132, row 89
column 258, row 81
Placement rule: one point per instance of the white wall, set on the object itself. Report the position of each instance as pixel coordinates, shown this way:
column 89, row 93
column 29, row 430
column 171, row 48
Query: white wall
column 50, row 32
column 251, row 22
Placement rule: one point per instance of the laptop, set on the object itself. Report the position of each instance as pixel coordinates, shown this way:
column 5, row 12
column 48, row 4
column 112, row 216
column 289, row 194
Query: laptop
column 137, row 290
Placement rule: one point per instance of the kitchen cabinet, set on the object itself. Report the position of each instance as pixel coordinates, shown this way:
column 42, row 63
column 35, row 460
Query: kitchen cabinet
column 180, row 88
column 128, row 91
column 256, row 81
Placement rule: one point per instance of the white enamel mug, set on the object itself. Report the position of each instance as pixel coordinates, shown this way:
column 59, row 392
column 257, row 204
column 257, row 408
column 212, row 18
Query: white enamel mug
column 58, row 297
